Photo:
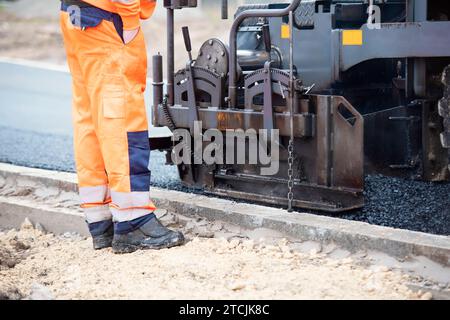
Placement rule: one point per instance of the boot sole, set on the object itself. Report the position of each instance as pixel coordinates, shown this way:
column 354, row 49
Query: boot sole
column 123, row 248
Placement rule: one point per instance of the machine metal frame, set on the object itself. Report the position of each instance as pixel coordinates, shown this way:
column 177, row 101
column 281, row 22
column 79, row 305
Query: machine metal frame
column 335, row 134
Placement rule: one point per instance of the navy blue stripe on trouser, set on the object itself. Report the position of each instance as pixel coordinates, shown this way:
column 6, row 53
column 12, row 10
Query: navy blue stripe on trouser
column 90, row 17
column 98, row 228
column 130, row 226
column 139, row 158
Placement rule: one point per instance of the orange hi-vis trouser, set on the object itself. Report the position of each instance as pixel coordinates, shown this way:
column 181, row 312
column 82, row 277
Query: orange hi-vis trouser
column 112, row 150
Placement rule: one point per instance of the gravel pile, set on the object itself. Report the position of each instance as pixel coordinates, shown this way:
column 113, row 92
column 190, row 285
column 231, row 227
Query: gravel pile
column 399, row 203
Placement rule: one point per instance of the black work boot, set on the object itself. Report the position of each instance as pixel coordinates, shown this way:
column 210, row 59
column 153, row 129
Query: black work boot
column 150, row 235
column 102, row 234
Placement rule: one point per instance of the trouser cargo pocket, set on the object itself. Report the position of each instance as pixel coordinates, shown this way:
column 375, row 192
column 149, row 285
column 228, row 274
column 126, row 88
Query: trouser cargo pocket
column 114, row 106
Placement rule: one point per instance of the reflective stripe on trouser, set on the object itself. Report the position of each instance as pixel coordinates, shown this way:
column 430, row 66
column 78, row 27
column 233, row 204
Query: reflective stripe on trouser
column 95, row 203
column 112, row 150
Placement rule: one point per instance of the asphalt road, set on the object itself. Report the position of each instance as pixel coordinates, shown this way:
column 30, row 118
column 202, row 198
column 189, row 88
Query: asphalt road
column 36, row 131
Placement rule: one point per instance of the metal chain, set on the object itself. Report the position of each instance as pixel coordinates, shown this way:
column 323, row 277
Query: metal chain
column 290, row 174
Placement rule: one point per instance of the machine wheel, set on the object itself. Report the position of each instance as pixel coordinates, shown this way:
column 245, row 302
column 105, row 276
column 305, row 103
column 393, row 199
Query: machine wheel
column 444, row 110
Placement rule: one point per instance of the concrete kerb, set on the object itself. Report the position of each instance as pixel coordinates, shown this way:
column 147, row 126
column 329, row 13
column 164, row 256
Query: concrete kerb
column 58, row 221
column 351, row 235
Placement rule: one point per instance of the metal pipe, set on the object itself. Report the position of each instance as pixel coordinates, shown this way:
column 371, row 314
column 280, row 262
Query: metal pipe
column 255, row 59
column 291, row 60
column 170, row 56
column 263, row 13
column 157, row 85
column 224, row 9
column 420, row 64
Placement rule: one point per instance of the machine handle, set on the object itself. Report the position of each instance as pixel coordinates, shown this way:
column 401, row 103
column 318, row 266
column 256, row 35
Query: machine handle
column 224, row 9
column 187, row 39
column 266, row 38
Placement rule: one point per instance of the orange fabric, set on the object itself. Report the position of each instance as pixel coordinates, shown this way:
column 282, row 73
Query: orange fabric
column 150, row 207
column 109, row 80
column 131, row 11
column 94, row 205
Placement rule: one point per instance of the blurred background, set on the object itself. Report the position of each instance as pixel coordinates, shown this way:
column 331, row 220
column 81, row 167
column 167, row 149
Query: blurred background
column 29, row 29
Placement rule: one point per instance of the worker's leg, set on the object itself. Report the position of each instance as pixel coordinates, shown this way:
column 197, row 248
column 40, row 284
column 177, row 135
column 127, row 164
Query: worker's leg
column 123, row 124
column 115, row 79
column 114, row 75
column 92, row 178
column 126, row 149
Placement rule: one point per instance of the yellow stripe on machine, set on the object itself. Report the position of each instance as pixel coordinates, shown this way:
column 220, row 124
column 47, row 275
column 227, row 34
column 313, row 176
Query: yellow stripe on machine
column 285, row 31
column 352, row 37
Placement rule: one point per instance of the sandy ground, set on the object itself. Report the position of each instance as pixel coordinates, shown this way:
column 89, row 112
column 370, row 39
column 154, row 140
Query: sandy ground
column 35, row 265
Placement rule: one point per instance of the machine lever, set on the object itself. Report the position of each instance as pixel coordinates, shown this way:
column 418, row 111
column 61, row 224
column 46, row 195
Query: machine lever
column 224, row 9
column 187, row 41
column 266, row 38
column 192, row 101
